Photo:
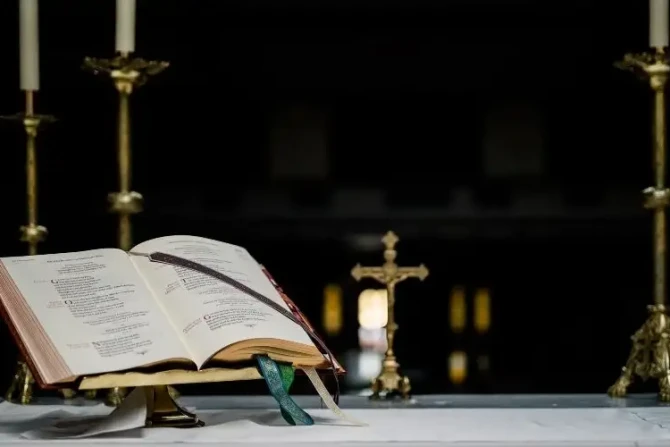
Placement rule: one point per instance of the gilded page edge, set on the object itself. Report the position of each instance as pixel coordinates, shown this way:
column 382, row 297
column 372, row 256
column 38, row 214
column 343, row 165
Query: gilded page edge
column 170, row 377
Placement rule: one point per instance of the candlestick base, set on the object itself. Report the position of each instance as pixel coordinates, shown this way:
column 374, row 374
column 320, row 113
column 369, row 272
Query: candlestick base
column 21, row 389
column 650, row 356
column 115, row 396
column 67, row 393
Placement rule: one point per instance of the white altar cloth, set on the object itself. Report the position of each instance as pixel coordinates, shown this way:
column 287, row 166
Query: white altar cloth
column 546, row 427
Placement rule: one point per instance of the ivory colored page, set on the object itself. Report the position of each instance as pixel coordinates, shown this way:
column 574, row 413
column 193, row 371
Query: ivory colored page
column 208, row 313
column 96, row 309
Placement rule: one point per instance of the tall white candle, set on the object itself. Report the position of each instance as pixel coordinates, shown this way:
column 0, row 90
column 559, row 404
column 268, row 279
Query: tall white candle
column 659, row 14
column 29, row 45
column 125, row 26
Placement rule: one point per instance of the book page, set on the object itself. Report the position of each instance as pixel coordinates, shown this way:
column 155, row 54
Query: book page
column 209, row 313
column 96, row 309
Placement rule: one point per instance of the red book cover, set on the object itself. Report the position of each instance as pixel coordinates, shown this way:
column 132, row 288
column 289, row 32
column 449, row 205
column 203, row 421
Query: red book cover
column 298, row 314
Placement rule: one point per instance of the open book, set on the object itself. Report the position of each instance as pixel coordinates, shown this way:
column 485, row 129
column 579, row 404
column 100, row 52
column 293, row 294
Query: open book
column 102, row 311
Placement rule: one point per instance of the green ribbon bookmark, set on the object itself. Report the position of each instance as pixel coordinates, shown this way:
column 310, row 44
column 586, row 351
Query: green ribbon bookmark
column 279, row 378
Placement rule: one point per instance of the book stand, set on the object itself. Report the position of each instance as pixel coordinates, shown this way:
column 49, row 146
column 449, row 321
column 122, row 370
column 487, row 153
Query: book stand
column 162, row 410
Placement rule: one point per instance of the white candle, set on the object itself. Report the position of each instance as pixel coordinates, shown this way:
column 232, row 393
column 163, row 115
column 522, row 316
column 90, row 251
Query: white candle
column 125, row 26
column 29, row 45
column 659, row 13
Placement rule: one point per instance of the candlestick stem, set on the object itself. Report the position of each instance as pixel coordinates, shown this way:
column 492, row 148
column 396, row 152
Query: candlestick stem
column 124, row 142
column 31, row 124
column 125, row 202
column 658, row 78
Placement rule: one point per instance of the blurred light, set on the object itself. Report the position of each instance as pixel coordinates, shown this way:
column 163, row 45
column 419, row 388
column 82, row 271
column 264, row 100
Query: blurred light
column 362, row 367
column 363, row 242
column 482, row 310
column 372, row 308
column 332, row 309
column 457, row 309
column 458, row 367
column 372, row 339
column 369, row 365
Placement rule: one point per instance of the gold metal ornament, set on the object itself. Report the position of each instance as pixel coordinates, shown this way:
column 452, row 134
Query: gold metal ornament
column 127, row 74
column 21, row 388
column 650, row 355
column 163, row 411
column 390, row 382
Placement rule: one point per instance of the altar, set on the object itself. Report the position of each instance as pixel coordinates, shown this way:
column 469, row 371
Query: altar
column 438, row 420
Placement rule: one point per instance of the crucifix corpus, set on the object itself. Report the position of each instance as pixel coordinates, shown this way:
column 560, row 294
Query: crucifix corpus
column 390, row 383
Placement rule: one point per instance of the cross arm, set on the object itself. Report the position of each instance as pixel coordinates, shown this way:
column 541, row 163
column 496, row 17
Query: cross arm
column 359, row 272
column 420, row 272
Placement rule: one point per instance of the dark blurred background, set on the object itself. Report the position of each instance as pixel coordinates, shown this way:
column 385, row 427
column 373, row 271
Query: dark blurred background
column 494, row 137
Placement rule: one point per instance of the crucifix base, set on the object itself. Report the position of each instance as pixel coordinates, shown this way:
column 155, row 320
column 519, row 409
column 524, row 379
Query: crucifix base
column 163, row 411
column 389, row 383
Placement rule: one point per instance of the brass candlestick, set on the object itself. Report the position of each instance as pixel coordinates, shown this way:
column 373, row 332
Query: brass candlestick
column 389, row 382
column 127, row 74
column 32, row 233
column 649, row 356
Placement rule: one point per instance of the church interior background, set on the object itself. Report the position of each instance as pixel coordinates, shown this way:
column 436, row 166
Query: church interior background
column 495, row 138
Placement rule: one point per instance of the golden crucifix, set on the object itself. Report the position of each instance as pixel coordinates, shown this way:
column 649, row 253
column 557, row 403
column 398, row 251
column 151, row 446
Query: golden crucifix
column 390, row 382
